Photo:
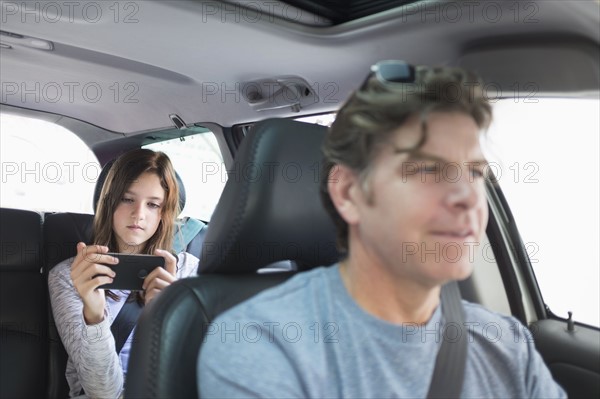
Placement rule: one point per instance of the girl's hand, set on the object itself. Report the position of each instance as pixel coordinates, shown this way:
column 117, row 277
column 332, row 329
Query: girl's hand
column 88, row 273
column 160, row 278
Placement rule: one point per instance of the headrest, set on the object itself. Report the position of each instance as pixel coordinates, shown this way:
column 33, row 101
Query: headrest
column 270, row 209
column 62, row 232
column 21, row 235
column 104, row 173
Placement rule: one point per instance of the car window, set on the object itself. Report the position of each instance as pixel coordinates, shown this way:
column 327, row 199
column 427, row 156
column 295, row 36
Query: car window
column 199, row 162
column 545, row 155
column 45, row 167
column 323, row 119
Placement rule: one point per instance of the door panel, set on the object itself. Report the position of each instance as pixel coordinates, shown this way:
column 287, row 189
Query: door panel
column 572, row 356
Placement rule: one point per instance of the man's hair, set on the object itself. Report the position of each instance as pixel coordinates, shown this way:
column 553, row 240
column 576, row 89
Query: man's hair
column 369, row 117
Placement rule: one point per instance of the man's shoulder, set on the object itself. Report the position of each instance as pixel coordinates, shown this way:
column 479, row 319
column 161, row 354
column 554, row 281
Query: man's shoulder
column 272, row 328
column 291, row 297
column 475, row 312
column 490, row 328
column 503, row 350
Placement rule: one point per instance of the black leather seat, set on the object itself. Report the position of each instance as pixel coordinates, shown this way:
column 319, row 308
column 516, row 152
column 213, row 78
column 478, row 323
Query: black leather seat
column 62, row 232
column 270, row 215
column 23, row 306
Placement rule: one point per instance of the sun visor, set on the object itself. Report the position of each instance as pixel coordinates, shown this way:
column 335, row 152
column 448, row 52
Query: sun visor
column 529, row 70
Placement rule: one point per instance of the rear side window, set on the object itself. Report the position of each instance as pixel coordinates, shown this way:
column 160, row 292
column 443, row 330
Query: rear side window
column 323, row 119
column 45, row 167
column 198, row 161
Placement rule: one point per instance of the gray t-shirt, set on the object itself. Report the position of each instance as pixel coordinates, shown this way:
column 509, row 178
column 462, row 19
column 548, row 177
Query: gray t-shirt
column 307, row 338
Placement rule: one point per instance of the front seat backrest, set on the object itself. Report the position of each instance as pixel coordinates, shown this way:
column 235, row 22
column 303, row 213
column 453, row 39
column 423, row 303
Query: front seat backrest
column 270, row 209
column 260, row 219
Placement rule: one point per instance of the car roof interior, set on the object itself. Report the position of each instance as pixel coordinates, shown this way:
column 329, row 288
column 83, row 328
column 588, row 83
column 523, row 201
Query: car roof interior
column 198, row 63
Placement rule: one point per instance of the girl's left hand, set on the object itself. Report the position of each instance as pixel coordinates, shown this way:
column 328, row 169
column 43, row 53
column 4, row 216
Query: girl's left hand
column 160, row 278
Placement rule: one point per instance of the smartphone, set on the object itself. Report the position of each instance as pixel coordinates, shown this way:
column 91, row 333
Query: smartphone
column 132, row 270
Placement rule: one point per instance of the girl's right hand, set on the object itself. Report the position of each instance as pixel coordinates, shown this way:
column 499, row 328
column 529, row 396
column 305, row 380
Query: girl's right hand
column 88, row 273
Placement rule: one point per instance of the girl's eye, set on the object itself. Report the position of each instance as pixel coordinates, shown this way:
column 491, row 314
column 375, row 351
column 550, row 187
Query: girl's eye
column 127, row 200
column 153, row 205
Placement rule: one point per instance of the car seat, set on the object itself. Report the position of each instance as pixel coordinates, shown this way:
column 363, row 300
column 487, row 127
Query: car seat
column 270, row 211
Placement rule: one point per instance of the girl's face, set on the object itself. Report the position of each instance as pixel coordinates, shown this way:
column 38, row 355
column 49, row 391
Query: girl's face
column 136, row 218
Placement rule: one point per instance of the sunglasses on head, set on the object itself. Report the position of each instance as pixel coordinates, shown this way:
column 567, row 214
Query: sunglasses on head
column 390, row 72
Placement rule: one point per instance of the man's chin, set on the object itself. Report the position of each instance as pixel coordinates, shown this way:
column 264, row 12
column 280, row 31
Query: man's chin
column 457, row 271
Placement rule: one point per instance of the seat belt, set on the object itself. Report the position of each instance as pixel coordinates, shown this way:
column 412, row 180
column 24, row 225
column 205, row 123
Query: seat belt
column 125, row 322
column 449, row 372
column 187, row 232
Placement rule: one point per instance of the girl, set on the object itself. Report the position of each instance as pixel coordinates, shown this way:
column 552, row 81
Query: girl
column 136, row 215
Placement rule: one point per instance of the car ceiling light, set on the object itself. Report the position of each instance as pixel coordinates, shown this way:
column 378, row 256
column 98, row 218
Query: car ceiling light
column 13, row 39
column 280, row 92
column 177, row 121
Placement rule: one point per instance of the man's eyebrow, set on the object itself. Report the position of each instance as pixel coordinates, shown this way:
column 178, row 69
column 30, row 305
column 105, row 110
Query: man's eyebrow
column 423, row 156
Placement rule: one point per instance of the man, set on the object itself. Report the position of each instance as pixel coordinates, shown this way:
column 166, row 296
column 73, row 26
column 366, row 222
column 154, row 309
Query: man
column 405, row 184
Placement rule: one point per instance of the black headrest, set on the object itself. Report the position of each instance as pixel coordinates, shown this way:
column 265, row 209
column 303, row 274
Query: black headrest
column 104, row 173
column 21, row 237
column 270, row 209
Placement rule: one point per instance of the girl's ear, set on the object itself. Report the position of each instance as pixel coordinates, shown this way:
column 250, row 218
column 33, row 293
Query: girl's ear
column 342, row 185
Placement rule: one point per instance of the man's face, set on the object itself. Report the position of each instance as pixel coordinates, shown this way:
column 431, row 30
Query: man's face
column 422, row 215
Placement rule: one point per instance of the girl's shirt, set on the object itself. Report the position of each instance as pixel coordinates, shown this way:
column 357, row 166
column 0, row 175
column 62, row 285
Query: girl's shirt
column 93, row 363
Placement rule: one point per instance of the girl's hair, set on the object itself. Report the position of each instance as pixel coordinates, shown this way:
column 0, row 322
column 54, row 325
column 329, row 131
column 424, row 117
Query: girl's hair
column 126, row 170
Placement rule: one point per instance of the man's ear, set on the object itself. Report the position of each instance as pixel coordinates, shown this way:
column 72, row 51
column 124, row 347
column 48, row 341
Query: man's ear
column 342, row 185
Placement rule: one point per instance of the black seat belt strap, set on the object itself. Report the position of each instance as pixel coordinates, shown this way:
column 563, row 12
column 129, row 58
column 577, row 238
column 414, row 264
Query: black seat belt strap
column 449, row 372
column 125, row 322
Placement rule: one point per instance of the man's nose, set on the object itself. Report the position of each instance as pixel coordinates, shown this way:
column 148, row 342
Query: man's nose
column 463, row 192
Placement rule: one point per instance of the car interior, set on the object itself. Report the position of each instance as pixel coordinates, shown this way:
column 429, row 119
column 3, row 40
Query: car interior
column 126, row 74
